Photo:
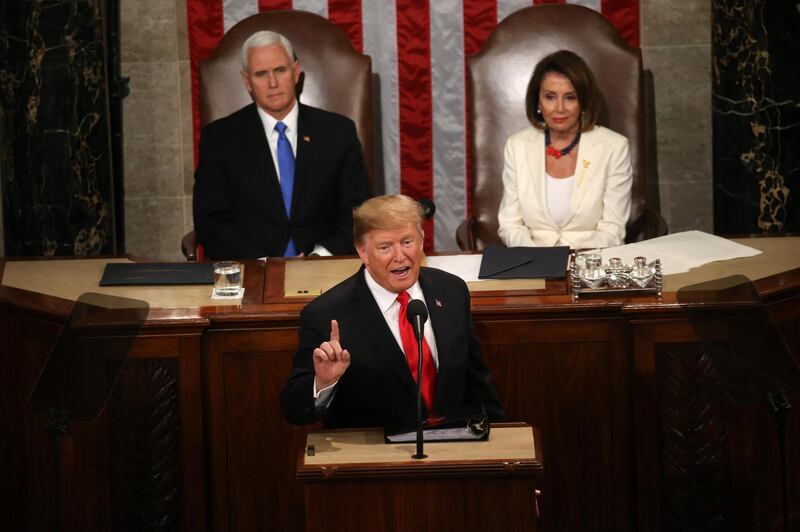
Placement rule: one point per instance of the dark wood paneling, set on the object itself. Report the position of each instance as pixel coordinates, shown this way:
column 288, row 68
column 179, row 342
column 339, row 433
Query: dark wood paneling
column 703, row 460
column 26, row 465
column 694, row 458
column 252, row 448
column 570, row 379
column 146, row 490
column 139, row 465
column 468, row 505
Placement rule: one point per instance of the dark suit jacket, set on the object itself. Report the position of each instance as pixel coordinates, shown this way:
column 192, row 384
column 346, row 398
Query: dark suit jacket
column 377, row 390
column 238, row 207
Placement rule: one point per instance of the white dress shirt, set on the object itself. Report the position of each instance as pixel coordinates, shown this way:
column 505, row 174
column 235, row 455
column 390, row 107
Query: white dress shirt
column 390, row 308
column 268, row 121
column 272, row 134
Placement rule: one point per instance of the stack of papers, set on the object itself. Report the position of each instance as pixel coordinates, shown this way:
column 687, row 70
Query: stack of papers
column 680, row 252
column 464, row 266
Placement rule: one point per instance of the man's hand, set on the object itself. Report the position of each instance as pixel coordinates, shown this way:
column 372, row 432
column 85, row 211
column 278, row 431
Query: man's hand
column 330, row 360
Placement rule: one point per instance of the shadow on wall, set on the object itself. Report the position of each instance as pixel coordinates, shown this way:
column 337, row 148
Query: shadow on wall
column 651, row 141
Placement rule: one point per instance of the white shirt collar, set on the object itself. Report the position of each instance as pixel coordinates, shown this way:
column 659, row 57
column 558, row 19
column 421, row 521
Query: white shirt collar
column 290, row 120
column 386, row 298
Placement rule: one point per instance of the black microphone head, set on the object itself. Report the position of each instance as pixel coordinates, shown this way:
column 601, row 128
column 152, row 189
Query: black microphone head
column 428, row 208
column 417, row 308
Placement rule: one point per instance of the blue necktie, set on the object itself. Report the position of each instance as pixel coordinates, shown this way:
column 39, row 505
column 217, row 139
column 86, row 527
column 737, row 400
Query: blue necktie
column 286, row 167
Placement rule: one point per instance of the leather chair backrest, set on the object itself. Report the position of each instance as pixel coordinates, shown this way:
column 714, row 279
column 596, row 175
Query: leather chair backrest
column 498, row 77
column 336, row 77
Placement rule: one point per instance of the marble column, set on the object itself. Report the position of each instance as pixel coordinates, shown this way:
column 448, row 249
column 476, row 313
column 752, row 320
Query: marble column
column 54, row 133
column 756, row 116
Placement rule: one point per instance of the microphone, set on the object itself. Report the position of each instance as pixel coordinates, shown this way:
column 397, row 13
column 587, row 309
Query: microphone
column 428, row 207
column 417, row 315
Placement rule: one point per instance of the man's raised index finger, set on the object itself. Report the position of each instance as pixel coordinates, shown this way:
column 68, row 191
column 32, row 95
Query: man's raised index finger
column 334, row 331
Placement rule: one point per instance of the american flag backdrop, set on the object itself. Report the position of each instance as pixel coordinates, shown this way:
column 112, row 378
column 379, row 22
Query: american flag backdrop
column 418, row 49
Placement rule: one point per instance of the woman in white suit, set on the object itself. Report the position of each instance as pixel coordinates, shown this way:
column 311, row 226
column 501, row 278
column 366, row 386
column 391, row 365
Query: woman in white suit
column 566, row 180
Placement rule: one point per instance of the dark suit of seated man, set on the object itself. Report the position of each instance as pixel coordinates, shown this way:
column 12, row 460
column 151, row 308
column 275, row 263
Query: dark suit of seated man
column 260, row 192
column 356, row 365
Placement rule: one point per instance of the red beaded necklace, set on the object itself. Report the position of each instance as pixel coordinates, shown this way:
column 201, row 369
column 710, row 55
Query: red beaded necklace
column 554, row 152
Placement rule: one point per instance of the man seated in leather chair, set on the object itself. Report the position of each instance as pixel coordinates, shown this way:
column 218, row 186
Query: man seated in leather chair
column 277, row 178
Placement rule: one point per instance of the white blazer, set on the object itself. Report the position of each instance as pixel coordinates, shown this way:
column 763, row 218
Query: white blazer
column 601, row 193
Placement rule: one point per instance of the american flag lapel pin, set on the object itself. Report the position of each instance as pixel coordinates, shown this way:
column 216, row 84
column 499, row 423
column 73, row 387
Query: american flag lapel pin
column 306, row 138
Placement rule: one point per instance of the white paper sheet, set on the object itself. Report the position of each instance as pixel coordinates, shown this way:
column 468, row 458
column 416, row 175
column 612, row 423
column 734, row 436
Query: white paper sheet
column 681, row 252
column 465, row 266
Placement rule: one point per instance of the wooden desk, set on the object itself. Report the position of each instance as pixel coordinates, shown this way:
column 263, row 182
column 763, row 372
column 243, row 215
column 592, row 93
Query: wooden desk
column 356, row 482
column 198, row 403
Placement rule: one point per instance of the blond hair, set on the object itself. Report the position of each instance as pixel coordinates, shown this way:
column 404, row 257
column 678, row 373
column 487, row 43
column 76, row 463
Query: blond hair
column 386, row 212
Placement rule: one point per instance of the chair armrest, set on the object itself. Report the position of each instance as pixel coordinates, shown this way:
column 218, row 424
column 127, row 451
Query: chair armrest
column 649, row 224
column 465, row 234
column 189, row 246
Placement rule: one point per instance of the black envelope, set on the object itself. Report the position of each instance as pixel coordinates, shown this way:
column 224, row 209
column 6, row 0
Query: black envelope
column 157, row 273
column 471, row 428
column 524, row 263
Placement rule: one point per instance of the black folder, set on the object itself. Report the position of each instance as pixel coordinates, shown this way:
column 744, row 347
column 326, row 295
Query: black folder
column 157, row 273
column 472, row 428
column 524, row 262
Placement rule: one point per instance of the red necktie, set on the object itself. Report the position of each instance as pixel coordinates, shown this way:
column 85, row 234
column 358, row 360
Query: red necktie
column 411, row 350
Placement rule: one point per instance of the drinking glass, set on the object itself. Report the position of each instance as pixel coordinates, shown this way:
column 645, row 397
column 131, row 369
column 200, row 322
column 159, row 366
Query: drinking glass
column 227, row 278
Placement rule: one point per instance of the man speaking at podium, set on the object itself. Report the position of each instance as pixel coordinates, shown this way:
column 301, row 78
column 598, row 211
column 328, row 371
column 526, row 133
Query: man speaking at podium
column 357, row 360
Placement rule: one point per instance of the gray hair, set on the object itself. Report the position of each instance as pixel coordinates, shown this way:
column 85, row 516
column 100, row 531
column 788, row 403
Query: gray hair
column 265, row 38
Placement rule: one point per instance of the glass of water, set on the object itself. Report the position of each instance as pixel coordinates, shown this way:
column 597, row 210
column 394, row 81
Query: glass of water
column 227, row 278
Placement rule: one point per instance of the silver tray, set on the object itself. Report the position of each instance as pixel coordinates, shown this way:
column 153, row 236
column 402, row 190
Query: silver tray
column 615, row 280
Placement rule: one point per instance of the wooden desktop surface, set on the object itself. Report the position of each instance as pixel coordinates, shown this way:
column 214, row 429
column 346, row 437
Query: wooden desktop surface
column 300, row 280
column 368, row 447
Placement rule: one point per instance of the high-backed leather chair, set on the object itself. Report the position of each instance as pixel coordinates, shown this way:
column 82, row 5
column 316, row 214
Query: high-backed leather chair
column 497, row 78
column 335, row 76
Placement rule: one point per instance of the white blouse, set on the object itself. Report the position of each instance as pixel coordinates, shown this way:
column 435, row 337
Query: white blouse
column 559, row 194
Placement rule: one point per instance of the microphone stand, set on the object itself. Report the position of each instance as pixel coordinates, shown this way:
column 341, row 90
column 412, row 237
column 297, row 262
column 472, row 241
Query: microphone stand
column 418, row 333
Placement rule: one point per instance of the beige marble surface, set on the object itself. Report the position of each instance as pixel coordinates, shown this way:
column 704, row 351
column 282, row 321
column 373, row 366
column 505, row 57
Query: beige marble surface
column 158, row 144
column 364, row 447
column 667, row 22
column 154, row 227
column 153, row 140
column 313, row 277
column 676, row 48
column 69, row 279
column 779, row 255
